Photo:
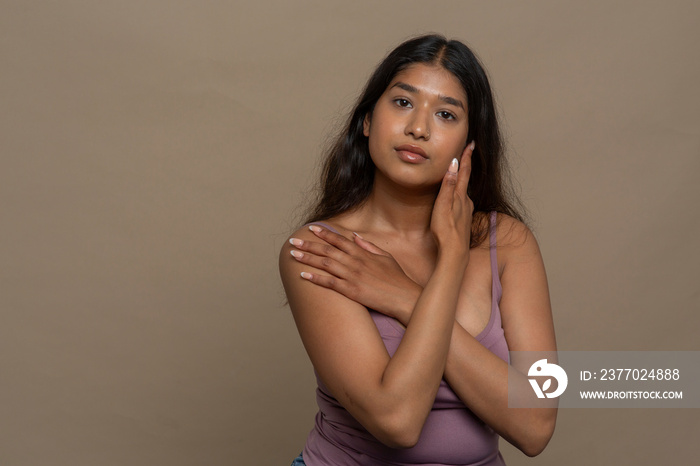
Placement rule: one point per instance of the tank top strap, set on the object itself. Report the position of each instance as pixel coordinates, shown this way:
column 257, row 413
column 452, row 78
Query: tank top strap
column 496, row 289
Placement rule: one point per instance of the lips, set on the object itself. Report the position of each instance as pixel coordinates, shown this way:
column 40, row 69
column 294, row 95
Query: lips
column 412, row 148
column 411, row 153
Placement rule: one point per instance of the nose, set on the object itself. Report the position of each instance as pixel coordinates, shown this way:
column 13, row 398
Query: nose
column 418, row 125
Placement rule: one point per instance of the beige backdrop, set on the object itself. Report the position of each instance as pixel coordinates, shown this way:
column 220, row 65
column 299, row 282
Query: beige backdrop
column 153, row 158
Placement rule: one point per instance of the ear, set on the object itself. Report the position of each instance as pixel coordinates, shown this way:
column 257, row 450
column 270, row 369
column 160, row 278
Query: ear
column 365, row 125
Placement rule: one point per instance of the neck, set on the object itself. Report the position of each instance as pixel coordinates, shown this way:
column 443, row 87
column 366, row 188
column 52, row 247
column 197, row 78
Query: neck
column 398, row 210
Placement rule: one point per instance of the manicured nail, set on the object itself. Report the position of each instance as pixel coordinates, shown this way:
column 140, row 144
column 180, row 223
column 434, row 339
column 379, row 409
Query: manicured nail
column 296, row 254
column 306, row 275
column 454, row 166
column 315, row 229
column 296, row 242
column 472, row 146
column 357, row 234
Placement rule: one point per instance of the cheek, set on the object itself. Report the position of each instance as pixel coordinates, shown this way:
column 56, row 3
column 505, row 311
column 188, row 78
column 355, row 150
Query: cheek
column 384, row 121
column 454, row 146
column 374, row 143
column 380, row 133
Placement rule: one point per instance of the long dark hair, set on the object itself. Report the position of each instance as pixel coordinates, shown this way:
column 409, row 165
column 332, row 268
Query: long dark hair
column 347, row 175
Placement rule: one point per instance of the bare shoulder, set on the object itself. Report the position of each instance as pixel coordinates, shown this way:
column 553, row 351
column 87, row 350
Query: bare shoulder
column 515, row 240
column 327, row 321
column 289, row 268
column 303, row 233
column 511, row 231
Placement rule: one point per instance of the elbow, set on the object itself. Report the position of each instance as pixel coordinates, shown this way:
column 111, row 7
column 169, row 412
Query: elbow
column 394, row 420
column 398, row 431
column 533, row 449
column 536, row 439
column 401, row 439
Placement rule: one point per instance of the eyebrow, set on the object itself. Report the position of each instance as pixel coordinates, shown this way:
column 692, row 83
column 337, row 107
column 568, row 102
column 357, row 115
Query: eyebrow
column 444, row 98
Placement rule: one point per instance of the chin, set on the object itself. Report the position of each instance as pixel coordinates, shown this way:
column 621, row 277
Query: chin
column 416, row 182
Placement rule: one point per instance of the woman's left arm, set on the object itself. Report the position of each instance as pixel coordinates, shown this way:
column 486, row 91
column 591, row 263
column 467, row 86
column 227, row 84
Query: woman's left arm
column 370, row 276
column 479, row 377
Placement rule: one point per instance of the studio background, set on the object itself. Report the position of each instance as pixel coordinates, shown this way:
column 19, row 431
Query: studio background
column 154, row 156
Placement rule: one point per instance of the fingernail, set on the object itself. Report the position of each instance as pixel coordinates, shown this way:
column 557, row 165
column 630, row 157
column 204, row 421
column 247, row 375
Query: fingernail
column 357, row 234
column 472, row 145
column 306, row 275
column 315, row 229
column 454, row 166
column 296, row 254
column 296, row 242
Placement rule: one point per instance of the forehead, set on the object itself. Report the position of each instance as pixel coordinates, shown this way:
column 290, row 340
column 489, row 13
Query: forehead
column 431, row 79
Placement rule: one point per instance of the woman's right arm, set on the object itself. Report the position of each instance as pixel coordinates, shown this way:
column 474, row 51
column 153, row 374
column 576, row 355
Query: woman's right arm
column 390, row 396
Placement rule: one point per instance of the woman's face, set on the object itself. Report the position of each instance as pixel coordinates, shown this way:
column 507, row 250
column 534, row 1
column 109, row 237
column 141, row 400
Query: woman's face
column 419, row 124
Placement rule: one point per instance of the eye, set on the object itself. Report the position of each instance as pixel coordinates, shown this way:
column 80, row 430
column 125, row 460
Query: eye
column 446, row 115
column 402, row 103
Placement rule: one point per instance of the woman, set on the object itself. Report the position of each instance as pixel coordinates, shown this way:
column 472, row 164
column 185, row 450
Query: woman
column 405, row 305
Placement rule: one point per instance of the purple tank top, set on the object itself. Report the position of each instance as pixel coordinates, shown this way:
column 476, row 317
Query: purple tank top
column 452, row 434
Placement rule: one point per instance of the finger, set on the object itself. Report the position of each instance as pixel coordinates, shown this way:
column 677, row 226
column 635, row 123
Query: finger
column 449, row 181
column 330, row 237
column 325, row 281
column 368, row 246
column 320, row 249
column 465, row 169
column 322, row 263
